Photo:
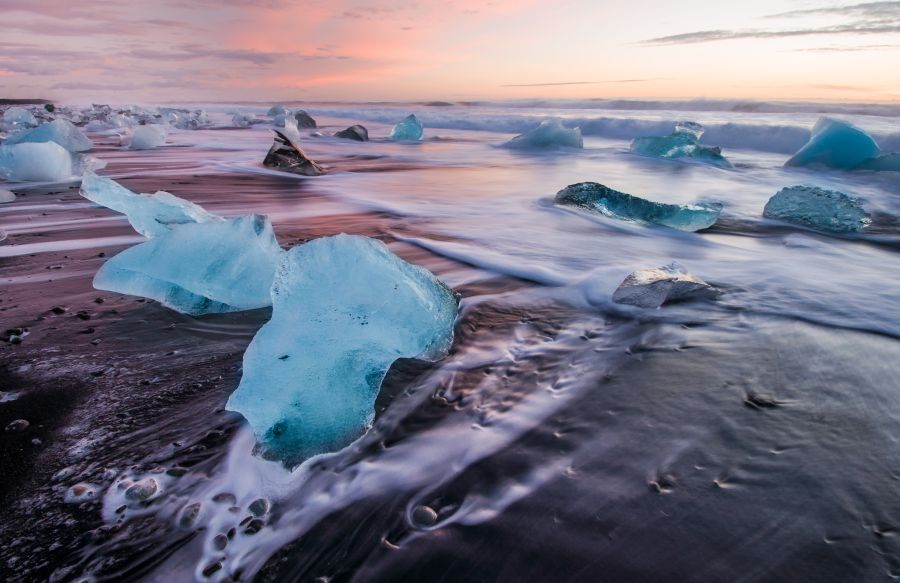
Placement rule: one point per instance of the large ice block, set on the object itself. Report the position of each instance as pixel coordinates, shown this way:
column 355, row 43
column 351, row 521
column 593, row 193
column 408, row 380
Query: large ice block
column 61, row 131
column 409, row 129
column 200, row 268
column 817, row 208
column 651, row 288
column 343, row 309
column 601, row 199
column 151, row 215
column 147, row 137
column 684, row 142
column 39, row 162
column 551, row 134
column 836, row 144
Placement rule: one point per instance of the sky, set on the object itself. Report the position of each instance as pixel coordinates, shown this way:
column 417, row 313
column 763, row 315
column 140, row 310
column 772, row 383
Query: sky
column 154, row 51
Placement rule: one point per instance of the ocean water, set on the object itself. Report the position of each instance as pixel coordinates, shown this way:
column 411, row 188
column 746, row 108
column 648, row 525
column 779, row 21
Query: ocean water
column 751, row 438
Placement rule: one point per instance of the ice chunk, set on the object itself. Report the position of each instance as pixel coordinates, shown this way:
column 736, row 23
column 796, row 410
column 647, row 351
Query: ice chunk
column 303, row 119
column 200, row 268
column 684, row 142
column 550, row 134
column 409, row 129
column 825, row 210
column 836, row 144
column 151, row 215
column 40, row 162
column 651, row 288
column 18, row 117
column 243, row 119
column 61, row 131
column 276, row 110
column 286, row 155
column 147, row 137
column 619, row 205
column 354, row 132
column 6, row 196
column 884, row 163
column 343, row 309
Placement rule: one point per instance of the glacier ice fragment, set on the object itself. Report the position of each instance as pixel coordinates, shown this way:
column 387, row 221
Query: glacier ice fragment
column 409, row 129
column 6, row 195
column 651, row 288
column 354, row 132
column 884, row 163
column 344, row 308
column 684, row 142
column 147, row 137
column 817, row 208
column 243, row 119
column 61, row 131
column 276, row 110
column 18, row 117
column 151, row 215
column 200, row 268
column 286, row 155
column 551, row 134
column 601, row 199
column 835, row 144
column 40, row 162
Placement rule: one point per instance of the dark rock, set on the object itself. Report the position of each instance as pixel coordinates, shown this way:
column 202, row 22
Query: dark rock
column 288, row 156
column 304, row 120
column 58, row 310
column 354, row 132
column 18, row 425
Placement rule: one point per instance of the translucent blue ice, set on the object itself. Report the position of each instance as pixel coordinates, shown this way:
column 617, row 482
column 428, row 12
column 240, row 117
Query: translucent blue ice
column 684, row 142
column 61, row 131
column 343, row 309
column 147, row 137
column 884, row 163
column 409, row 129
column 151, row 215
column 835, row 144
column 243, row 119
column 276, row 110
column 200, row 268
column 18, row 117
column 39, row 162
column 551, row 134
column 619, row 205
column 816, row 208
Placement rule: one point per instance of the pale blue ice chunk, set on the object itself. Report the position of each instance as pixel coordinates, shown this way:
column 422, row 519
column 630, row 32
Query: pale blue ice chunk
column 684, row 142
column 601, row 199
column 147, row 137
column 243, row 119
column 276, row 110
column 39, row 162
column 551, row 134
column 6, row 195
column 344, row 308
column 151, row 215
column 61, row 131
column 18, row 117
column 817, row 208
column 200, row 268
column 835, row 144
column 408, row 130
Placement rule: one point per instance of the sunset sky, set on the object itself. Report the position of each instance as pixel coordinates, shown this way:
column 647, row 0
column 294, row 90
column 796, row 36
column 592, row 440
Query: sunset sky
column 265, row 50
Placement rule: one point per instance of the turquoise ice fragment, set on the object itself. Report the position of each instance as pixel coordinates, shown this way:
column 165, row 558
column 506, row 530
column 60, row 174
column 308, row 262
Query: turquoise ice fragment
column 817, row 208
column 344, row 308
column 601, row 199
column 39, row 162
column 684, row 142
column 551, row 134
column 408, row 130
column 835, row 144
column 61, row 131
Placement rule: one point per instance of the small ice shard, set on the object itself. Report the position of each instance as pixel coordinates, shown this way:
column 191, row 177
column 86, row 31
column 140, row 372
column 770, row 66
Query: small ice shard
column 6, row 195
column 39, row 162
column 816, row 208
column 619, row 205
column 151, row 215
column 884, row 163
column 276, row 110
column 551, row 134
column 200, row 268
column 344, row 308
column 354, row 132
column 684, row 142
column 835, row 144
column 303, row 119
column 286, row 155
column 18, row 117
column 651, row 288
column 408, row 130
column 147, row 137
column 61, row 131
column 243, row 119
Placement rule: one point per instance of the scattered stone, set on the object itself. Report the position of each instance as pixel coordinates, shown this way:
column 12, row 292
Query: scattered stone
column 761, row 401
column 83, row 315
column 424, row 516
column 304, row 120
column 58, row 310
column 18, row 425
column 189, row 515
column 651, row 288
column 81, row 492
column 354, row 132
column 142, row 490
column 259, row 507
